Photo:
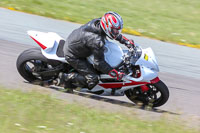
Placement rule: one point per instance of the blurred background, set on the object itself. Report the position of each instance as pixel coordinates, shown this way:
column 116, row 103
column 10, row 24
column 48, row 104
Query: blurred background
column 169, row 20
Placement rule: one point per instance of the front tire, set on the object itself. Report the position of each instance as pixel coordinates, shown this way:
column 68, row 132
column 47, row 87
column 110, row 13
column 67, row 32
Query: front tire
column 156, row 96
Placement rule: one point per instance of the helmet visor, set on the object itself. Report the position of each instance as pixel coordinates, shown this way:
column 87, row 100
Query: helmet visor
column 115, row 32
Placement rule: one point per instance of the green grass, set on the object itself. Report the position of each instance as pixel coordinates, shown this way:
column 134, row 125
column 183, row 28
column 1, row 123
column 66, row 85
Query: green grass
column 32, row 112
column 169, row 20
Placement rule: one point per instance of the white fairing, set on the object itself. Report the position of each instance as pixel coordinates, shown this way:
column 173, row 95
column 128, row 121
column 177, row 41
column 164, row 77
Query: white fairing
column 113, row 54
column 50, row 40
column 149, row 67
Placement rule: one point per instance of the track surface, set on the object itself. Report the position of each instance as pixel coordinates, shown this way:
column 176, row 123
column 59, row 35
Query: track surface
column 179, row 65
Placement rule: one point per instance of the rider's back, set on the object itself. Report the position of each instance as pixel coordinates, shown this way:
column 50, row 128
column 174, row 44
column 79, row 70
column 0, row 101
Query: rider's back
column 83, row 40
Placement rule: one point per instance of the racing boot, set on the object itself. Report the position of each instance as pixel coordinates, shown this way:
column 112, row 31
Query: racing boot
column 92, row 80
column 72, row 80
column 66, row 80
column 87, row 81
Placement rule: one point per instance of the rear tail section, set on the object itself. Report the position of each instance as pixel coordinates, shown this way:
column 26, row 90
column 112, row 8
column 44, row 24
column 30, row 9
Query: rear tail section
column 45, row 40
column 51, row 44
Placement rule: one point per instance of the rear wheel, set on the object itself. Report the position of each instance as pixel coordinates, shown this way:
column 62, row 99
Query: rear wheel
column 31, row 63
column 156, row 96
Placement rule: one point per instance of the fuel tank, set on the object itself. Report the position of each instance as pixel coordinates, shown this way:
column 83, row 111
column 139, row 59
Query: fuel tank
column 113, row 54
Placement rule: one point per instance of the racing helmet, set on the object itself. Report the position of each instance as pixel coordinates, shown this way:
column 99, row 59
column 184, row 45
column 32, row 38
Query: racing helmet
column 112, row 24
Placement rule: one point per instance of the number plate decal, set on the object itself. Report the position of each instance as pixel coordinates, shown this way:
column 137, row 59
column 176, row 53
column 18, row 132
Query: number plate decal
column 146, row 57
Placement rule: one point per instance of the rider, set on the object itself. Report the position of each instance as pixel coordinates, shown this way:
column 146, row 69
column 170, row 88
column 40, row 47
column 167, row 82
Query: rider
column 90, row 39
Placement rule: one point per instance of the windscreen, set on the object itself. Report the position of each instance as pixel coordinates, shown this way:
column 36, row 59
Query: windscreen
column 136, row 55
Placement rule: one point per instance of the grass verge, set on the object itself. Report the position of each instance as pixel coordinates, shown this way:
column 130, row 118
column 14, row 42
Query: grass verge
column 33, row 112
column 175, row 21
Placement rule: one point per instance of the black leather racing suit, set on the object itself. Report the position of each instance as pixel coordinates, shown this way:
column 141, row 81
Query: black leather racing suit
column 81, row 43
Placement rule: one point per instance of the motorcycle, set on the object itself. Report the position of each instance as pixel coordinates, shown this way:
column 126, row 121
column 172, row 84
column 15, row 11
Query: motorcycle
column 141, row 83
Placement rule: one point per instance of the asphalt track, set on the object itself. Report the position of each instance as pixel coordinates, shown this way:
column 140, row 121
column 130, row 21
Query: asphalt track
column 179, row 65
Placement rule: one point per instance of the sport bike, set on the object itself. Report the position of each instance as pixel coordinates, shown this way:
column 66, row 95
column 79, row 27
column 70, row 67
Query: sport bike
column 141, row 83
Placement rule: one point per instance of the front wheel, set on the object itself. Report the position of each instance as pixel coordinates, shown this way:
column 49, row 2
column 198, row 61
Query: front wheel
column 156, row 96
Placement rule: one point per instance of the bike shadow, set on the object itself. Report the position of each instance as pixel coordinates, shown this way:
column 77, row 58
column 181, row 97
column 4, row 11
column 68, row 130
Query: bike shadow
column 115, row 101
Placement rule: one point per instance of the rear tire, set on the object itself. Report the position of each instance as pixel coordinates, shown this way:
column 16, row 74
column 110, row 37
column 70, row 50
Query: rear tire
column 150, row 97
column 30, row 55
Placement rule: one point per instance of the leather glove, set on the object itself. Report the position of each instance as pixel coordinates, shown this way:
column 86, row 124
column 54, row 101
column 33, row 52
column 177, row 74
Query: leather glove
column 114, row 73
column 130, row 43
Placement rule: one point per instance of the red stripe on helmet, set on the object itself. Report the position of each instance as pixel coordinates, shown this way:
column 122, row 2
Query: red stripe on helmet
column 106, row 18
column 114, row 19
